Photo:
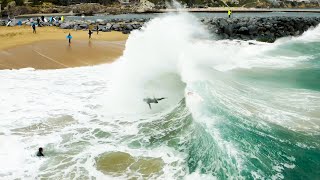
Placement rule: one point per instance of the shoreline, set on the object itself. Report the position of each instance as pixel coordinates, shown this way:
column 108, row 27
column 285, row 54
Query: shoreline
column 49, row 49
column 22, row 35
column 56, row 54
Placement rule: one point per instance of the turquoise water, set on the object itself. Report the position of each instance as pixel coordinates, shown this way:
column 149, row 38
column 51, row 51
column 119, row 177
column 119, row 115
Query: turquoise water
column 233, row 110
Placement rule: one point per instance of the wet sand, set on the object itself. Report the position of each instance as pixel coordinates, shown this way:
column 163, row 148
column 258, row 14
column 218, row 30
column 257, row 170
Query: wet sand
column 49, row 49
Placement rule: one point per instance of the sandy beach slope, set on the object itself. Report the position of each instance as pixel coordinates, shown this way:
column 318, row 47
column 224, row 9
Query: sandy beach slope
column 49, row 49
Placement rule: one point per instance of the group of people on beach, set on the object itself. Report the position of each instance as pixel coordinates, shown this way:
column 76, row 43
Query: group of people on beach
column 69, row 37
column 39, row 20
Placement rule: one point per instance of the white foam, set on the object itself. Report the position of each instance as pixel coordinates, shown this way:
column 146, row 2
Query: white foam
column 160, row 60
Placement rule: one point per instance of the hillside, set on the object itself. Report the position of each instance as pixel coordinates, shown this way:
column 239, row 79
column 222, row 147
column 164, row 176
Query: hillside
column 18, row 7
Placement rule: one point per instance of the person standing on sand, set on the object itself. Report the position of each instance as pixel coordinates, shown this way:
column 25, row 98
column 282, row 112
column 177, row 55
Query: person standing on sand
column 97, row 29
column 69, row 37
column 34, row 28
column 90, row 32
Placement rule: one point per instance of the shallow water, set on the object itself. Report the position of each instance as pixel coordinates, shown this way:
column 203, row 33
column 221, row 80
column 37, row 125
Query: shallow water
column 233, row 110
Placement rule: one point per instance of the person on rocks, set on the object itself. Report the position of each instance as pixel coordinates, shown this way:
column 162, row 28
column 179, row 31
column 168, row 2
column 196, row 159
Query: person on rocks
column 229, row 13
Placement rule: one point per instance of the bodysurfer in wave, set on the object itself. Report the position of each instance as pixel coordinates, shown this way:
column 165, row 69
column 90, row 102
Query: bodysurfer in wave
column 152, row 100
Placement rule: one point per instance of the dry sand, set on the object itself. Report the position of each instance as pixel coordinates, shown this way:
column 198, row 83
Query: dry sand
column 49, row 49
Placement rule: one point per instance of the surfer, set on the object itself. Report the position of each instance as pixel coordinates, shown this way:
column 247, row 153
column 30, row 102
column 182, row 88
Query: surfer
column 69, row 37
column 40, row 152
column 38, row 22
column 34, row 28
column 152, row 100
column 90, row 32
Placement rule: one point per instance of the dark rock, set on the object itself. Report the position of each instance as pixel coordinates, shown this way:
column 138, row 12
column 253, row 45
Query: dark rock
column 77, row 27
column 2, row 23
column 100, row 27
column 244, row 30
column 66, row 26
column 228, row 29
column 223, row 23
column 115, row 27
column 129, row 27
column 125, row 32
column 84, row 26
column 252, row 29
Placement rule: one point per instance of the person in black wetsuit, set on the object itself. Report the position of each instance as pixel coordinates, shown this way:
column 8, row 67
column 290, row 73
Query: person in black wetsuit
column 38, row 22
column 90, row 32
column 152, row 100
column 34, row 28
column 40, row 152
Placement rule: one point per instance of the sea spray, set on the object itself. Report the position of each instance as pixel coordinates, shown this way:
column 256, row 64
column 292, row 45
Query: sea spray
column 154, row 57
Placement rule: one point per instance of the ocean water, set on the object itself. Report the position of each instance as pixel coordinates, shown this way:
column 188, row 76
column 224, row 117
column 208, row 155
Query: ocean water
column 234, row 110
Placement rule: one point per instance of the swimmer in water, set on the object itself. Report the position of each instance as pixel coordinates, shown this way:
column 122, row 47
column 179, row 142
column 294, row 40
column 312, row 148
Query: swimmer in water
column 152, row 100
column 40, row 152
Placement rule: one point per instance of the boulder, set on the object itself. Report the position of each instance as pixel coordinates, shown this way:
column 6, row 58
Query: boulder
column 2, row 23
column 100, row 27
column 77, row 27
column 228, row 29
column 115, row 27
column 108, row 26
column 252, row 29
column 66, row 26
column 129, row 27
column 84, row 26
column 244, row 30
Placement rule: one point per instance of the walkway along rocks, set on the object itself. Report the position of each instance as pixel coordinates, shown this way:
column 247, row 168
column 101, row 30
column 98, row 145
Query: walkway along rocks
column 266, row 29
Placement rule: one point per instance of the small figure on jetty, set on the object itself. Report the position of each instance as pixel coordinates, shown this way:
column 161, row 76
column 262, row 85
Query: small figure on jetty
column 90, row 32
column 229, row 13
column 40, row 152
column 69, row 37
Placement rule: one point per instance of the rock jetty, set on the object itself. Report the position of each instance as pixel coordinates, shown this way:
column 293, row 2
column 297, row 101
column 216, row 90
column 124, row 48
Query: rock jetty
column 266, row 29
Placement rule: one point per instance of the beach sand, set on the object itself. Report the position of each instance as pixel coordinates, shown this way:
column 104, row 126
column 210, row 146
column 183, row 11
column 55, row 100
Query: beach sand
column 49, row 49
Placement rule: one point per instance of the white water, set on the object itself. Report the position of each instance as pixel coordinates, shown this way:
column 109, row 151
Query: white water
column 157, row 62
